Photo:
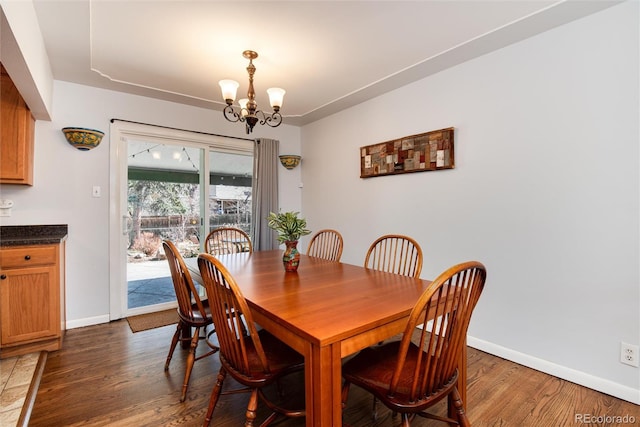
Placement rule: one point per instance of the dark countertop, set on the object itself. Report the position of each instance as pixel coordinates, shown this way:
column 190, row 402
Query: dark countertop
column 20, row 235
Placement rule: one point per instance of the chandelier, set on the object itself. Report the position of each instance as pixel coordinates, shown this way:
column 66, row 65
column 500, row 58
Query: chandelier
column 249, row 113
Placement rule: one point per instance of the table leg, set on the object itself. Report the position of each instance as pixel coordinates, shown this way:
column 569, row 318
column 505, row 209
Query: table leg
column 323, row 383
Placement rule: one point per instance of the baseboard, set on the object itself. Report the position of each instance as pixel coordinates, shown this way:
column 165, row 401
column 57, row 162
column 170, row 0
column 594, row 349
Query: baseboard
column 87, row 321
column 587, row 380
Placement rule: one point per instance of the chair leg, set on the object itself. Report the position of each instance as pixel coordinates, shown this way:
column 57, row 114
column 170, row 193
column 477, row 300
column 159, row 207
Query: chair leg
column 345, row 394
column 456, row 408
column 374, row 410
column 190, row 361
column 271, row 418
column 174, row 343
column 215, row 394
column 251, row 408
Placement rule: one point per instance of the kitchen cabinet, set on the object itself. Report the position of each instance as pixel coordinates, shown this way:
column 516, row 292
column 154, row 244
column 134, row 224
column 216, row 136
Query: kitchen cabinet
column 32, row 308
column 17, row 135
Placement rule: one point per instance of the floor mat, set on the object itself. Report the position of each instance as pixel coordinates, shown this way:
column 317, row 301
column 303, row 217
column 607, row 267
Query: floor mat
column 148, row 321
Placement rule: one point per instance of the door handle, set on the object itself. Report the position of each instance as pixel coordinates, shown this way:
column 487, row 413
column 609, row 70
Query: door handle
column 126, row 224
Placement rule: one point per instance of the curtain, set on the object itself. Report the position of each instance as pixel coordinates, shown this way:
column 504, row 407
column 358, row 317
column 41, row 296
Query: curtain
column 264, row 193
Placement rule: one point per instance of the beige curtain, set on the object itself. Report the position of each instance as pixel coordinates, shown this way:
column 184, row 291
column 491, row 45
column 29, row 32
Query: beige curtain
column 264, row 193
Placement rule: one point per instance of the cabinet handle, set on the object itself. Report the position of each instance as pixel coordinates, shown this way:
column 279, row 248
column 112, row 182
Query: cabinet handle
column 27, row 257
column 4, row 276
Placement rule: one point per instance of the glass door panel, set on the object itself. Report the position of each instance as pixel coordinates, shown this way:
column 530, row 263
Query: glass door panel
column 163, row 202
column 230, row 190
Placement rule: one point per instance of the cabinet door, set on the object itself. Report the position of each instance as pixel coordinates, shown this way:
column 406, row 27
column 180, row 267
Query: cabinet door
column 28, row 299
column 17, row 132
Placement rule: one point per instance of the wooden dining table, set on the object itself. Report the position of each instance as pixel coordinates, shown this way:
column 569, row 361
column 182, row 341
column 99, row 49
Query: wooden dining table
column 326, row 311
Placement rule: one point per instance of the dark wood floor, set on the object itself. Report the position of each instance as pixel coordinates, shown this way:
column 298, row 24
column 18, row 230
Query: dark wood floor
column 107, row 376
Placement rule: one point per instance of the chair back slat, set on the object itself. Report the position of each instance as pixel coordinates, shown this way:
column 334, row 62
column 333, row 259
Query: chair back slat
column 186, row 292
column 395, row 254
column 229, row 309
column 326, row 244
column 449, row 301
column 227, row 240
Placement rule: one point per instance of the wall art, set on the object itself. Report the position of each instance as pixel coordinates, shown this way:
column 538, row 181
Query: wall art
column 428, row 151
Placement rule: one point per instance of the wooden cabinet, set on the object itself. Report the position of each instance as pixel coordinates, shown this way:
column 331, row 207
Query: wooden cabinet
column 32, row 310
column 17, row 133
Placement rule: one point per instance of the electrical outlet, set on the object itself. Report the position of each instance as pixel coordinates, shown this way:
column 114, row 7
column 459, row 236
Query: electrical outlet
column 629, row 354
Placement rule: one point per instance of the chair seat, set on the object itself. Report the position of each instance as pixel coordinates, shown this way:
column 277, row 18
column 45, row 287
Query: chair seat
column 282, row 360
column 196, row 318
column 373, row 368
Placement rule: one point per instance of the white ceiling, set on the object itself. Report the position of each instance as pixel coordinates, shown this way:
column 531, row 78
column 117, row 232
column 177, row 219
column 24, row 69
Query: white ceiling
column 328, row 55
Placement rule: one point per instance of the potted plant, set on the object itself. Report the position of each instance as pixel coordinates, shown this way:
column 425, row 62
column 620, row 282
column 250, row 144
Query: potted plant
column 289, row 228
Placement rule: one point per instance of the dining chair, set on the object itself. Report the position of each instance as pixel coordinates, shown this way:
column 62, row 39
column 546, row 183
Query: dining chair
column 193, row 313
column 326, row 244
column 412, row 374
column 253, row 358
column 227, row 240
column 395, row 253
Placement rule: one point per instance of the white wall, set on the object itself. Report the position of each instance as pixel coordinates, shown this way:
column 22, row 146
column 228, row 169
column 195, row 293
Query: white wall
column 24, row 56
column 545, row 192
column 64, row 177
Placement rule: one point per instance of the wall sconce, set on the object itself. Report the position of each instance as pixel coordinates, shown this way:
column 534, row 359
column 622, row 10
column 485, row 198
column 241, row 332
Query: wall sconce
column 83, row 139
column 290, row 161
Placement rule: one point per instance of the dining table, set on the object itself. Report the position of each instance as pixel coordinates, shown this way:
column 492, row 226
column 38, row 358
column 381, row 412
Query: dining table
column 326, row 311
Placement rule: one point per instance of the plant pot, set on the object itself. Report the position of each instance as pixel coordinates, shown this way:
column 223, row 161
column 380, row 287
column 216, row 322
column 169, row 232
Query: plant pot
column 291, row 256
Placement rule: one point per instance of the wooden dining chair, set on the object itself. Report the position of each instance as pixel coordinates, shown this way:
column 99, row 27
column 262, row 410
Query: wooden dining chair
column 395, row 253
column 326, row 244
column 193, row 313
column 255, row 359
column 227, row 240
column 412, row 374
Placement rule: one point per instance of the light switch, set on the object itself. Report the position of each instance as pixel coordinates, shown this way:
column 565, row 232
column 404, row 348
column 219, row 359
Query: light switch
column 97, row 191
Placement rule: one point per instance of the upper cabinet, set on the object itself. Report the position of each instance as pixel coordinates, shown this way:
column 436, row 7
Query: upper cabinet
column 17, row 131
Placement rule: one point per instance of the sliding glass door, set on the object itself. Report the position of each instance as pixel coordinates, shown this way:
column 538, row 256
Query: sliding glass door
column 174, row 185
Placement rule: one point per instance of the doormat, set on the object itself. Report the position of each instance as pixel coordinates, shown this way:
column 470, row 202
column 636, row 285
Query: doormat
column 148, row 321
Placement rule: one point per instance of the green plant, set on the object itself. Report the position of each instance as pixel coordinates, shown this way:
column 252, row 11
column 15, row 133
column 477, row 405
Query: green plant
column 288, row 226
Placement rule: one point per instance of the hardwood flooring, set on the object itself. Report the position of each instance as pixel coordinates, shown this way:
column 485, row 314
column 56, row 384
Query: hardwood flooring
column 107, row 376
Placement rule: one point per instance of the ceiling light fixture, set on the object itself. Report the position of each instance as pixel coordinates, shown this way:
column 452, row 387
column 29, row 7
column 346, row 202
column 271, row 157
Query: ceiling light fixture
column 249, row 112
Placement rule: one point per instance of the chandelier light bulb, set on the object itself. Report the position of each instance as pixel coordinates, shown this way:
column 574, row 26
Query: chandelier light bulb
column 276, row 96
column 229, row 89
column 243, row 106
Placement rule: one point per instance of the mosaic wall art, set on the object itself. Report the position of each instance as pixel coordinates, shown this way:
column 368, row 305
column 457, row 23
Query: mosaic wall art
column 416, row 153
